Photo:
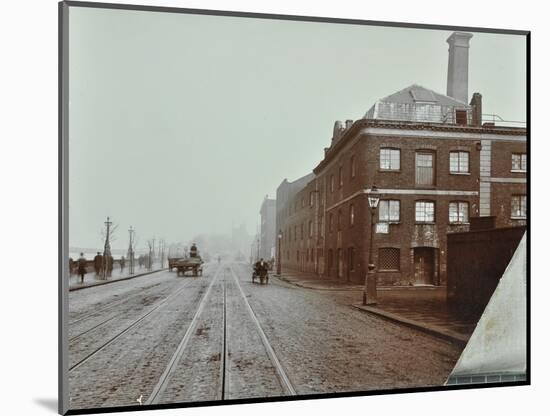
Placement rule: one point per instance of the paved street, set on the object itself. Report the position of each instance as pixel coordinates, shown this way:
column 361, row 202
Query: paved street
column 166, row 339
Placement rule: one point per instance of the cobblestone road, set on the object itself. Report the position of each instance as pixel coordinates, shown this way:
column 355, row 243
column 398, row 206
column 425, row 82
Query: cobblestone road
column 161, row 339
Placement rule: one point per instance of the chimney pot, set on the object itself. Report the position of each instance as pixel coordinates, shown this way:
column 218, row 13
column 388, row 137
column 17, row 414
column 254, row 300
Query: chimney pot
column 477, row 113
column 337, row 131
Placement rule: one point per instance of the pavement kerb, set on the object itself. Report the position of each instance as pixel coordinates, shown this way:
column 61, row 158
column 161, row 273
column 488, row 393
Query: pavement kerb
column 106, row 282
column 354, row 287
column 454, row 337
column 305, row 286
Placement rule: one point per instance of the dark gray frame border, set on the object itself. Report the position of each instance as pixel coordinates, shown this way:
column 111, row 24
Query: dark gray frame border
column 63, row 204
column 63, row 211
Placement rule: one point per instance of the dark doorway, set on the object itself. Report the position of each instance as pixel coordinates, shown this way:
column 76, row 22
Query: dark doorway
column 424, row 265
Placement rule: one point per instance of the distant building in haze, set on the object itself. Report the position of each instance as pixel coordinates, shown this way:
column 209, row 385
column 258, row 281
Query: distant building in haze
column 267, row 229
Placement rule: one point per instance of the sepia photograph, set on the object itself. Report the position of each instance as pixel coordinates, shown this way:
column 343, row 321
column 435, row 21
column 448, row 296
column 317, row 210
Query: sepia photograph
column 265, row 207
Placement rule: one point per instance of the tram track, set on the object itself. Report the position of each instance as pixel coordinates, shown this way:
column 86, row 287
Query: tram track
column 164, row 380
column 281, row 372
column 127, row 302
column 114, row 303
column 135, row 293
column 142, row 293
column 134, row 323
column 174, row 372
column 111, row 305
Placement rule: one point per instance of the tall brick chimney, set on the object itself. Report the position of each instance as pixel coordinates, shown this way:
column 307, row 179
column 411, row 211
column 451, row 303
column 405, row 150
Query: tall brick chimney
column 457, row 75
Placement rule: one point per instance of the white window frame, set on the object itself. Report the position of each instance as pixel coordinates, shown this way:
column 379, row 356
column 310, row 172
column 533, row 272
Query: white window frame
column 522, row 162
column 460, row 155
column 522, row 199
column 425, row 219
column 389, row 203
column 458, row 209
column 418, row 155
column 390, row 159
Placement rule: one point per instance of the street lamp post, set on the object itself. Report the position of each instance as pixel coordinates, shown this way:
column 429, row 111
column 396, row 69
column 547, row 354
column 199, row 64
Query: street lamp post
column 369, row 291
column 279, row 238
column 107, row 259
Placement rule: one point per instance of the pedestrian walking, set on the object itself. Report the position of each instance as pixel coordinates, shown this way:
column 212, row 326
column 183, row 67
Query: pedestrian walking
column 81, row 267
column 98, row 263
column 122, row 264
column 109, row 265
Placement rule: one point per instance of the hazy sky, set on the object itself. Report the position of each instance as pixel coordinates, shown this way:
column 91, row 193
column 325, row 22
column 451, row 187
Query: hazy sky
column 180, row 124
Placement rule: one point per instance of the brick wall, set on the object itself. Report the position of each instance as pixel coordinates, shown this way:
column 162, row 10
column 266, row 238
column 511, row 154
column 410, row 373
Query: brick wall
column 501, row 158
column 501, row 206
column 338, row 189
column 476, row 263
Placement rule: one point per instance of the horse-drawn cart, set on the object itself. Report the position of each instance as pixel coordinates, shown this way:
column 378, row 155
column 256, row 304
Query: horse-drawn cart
column 193, row 264
column 262, row 275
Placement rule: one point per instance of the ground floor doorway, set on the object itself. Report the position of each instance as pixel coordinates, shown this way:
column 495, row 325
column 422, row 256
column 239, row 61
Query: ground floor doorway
column 424, row 265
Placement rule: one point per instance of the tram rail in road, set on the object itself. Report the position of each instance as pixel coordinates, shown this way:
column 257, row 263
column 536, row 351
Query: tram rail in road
column 128, row 328
column 285, row 381
column 164, row 380
column 225, row 386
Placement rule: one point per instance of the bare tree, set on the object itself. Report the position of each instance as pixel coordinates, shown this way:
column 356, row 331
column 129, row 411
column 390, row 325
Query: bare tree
column 112, row 232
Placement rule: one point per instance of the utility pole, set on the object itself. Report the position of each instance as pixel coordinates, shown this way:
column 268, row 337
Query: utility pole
column 107, row 247
column 162, row 245
column 153, row 253
column 150, row 255
column 131, row 231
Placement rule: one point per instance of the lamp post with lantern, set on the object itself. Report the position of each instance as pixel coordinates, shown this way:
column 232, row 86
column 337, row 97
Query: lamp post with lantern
column 279, row 238
column 369, row 291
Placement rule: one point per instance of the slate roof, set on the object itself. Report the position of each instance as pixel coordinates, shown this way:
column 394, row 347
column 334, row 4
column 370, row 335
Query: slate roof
column 417, row 94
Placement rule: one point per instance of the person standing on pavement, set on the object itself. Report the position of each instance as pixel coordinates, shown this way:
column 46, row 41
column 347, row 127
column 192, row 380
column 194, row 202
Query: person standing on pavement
column 71, row 266
column 122, row 263
column 81, row 267
column 109, row 265
column 98, row 263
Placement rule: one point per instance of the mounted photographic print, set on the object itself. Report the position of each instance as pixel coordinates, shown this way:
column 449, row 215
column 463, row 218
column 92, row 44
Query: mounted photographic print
column 265, row 208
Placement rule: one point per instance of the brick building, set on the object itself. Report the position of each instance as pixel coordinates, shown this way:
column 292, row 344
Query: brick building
column 435, row 163
column 291, row 218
